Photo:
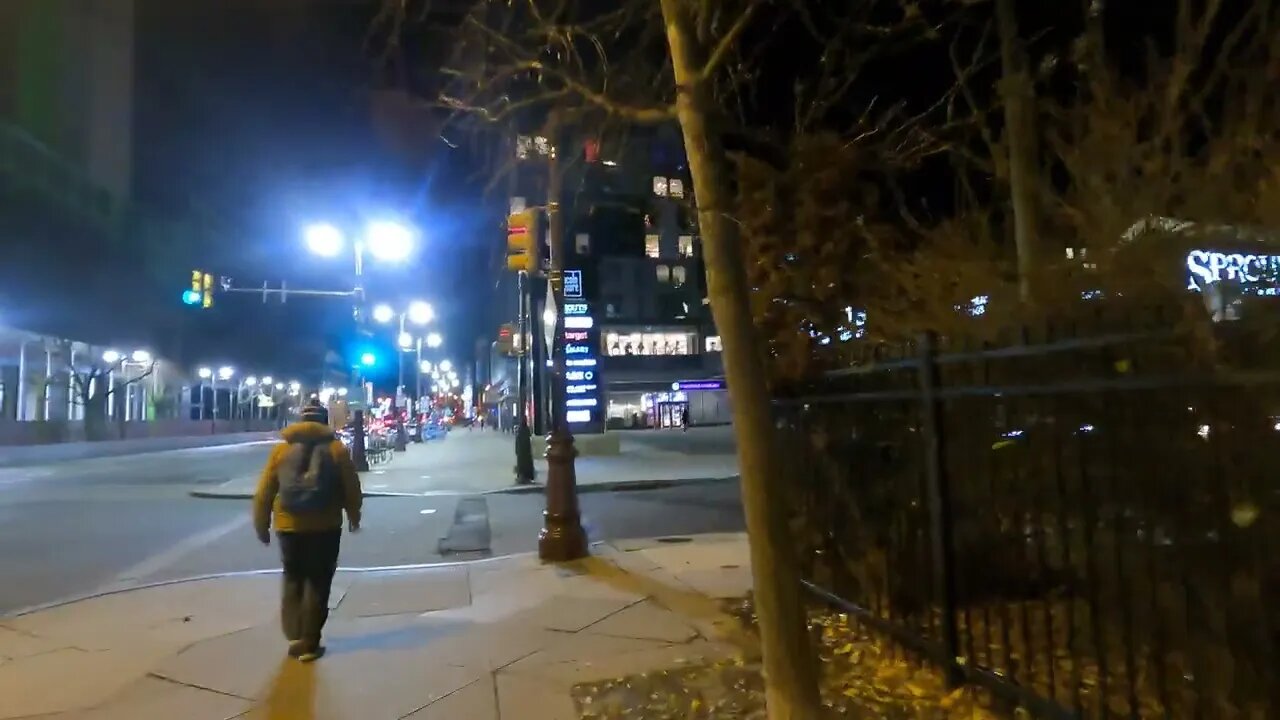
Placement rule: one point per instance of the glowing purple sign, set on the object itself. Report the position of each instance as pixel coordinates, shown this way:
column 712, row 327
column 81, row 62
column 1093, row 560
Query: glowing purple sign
column 687, row 385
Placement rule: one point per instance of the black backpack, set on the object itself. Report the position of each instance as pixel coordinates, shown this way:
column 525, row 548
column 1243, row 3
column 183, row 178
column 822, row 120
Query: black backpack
column 308, row 479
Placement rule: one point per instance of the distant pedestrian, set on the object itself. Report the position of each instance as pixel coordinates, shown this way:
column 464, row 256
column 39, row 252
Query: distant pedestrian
column 308, row 482
column 684, row 419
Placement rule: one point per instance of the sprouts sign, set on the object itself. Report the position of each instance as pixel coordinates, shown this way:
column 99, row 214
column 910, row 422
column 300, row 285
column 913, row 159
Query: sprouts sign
column 1258, row 274
column 583, row 397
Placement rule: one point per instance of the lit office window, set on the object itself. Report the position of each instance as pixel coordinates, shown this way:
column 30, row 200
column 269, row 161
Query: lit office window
column 617, row 344
column 660, row 186
column 664, row 274
column 675, row 187
column 677, row 275
column 651, row 248
column 686, row 246
column 582, row 242
column 524, row 144
column 712, row 344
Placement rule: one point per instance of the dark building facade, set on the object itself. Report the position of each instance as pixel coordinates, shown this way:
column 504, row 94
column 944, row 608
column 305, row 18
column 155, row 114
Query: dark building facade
column 632, row 243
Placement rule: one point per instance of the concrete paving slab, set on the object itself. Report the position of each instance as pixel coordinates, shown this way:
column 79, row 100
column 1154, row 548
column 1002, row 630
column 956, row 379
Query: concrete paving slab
column 16, row 644
column 477, row 701
column 529, row 698
column 399, row 593
column 39, row 684
column 385, row 683
column 568, row 613
column 176, row 614
column 152, row 698
column 591, row 666
column 240, row 664
column 645, row 621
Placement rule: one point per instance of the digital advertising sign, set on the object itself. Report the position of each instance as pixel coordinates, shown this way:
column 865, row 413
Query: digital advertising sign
column 583, row 387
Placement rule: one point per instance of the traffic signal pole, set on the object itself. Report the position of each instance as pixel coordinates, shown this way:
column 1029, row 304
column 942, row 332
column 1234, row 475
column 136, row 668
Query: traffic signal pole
column 524, row 438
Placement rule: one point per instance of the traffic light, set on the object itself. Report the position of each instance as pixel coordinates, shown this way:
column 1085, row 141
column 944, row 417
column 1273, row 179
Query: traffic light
column 522, row 240
column 201, row 290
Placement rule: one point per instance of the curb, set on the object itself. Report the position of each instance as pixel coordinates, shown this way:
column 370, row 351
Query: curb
column 32, row 609
column 248, row 573
column 617, row 486
column 238, row 495
column 533, row 489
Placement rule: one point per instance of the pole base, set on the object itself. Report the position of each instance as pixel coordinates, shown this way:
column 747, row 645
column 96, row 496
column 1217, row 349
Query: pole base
column 524, row 470
column 562, row 538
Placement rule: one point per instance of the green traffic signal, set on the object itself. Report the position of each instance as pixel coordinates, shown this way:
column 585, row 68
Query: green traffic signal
column 191, row 297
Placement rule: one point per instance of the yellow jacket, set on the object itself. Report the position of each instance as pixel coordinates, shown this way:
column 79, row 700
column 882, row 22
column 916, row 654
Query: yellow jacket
column 266, row 501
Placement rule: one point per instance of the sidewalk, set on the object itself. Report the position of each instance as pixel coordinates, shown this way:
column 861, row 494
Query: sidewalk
column 504, row 639
column 482, row 461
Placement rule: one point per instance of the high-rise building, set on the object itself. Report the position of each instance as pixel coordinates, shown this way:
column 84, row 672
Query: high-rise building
column 66, row 85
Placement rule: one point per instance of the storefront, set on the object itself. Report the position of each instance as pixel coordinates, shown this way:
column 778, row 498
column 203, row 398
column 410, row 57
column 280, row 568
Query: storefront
column 706, row 402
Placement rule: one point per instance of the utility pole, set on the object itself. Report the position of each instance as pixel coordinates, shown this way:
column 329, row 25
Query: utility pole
column 562, row 538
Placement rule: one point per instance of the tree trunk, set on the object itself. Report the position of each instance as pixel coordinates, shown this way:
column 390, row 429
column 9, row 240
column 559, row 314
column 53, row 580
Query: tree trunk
column 1019, row 108
column 791, row 683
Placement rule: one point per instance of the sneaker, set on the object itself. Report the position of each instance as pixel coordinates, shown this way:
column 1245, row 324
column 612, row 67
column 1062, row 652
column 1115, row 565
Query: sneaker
column 312, row 655
column 297, row 648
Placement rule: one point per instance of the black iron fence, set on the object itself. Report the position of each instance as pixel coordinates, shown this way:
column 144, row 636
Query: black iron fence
column 1087, row 526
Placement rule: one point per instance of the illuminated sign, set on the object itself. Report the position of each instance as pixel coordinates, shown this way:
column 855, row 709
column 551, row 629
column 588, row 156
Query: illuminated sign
column 687, row 385
column 573, row 283
column 583, row 390
column 1260, row 273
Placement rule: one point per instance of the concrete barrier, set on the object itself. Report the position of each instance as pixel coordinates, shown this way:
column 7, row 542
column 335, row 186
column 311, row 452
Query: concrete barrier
column 24, row 455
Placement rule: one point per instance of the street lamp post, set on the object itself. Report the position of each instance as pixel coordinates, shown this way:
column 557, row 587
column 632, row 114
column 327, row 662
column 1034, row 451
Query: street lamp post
column 418, row 313
column 562, row 538
column 385, row 240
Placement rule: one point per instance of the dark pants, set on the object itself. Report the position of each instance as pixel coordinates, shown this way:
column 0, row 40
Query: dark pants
column 310, row 559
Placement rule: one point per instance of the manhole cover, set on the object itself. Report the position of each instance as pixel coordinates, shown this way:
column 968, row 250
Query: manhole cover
column 674, row 540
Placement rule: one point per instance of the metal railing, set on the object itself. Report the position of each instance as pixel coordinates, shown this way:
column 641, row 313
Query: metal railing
column 1086, row 526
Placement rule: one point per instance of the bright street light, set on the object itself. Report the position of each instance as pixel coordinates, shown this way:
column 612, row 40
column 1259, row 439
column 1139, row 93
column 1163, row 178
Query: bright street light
column 383, row 313
column 111, row 356
column 251, row 380
column 141, row 356
column 205, row 373
column 389, row 241
column 266, row 380
column 295, row 387
column 434, row 340
column 446, row 366
column 405, row 341
column 421, row 313
column 279, row 386
column 342, row 392
column 324, row 239
column 425, row 366
column 225, row 372
column 368, row 359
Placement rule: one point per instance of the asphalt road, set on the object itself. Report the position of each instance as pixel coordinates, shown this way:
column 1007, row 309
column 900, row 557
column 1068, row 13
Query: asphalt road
column 75, row 528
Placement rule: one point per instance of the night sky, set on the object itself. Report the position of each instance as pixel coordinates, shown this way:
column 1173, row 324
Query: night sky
column 264, row 117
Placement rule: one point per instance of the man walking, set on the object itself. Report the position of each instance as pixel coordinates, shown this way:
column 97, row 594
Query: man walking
column 308, row 482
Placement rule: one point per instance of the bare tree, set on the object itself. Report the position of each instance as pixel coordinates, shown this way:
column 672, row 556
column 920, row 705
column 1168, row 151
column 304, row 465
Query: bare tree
column 696, row 62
